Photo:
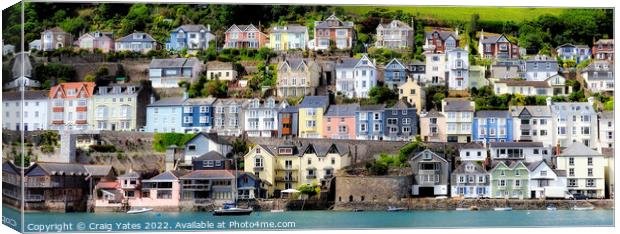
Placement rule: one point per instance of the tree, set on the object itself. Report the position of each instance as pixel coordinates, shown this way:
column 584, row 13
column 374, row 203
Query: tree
column 382, row 94
column 309, row 190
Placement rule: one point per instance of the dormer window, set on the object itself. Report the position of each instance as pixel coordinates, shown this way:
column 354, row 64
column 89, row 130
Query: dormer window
column 427, row 156
column 285, row 151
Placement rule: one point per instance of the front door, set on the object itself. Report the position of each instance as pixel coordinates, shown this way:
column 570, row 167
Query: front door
column 113, row 127
column 533, row 194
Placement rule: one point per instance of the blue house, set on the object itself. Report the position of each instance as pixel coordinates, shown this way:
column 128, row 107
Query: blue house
column 165, row 115
column 395, row 74
column 194, row 37
column 198, row 114
column 401, row 122
column 249, row 186
column 369, row 122
column 492, row 126
column 211, row 160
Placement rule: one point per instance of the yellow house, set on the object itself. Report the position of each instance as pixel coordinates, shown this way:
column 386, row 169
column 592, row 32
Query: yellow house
column 413, row 93
column 119, row 107
column 277, row 165
column 288, row 37
column 311, row 111
column 319, row 162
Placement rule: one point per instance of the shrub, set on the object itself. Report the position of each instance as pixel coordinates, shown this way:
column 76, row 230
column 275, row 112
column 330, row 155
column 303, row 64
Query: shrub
column 161, row 141
column 103, row 148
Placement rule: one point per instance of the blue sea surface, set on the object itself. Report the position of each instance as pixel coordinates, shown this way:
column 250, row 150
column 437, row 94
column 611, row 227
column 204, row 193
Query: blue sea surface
column 193, row 221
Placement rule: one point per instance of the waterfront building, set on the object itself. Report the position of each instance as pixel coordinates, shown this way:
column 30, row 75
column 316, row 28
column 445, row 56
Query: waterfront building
column 120, row 107
column 250, row 187
column 167, row 73
column 493, row 46
column 55, row 38
column 288, row 122
column 575, row 122
column 55, row 186
column 137, row 42
column 413, row 93
column 606, row 129
column 200, row 186
column 211, row 160
column 97, row 40
column 165, row 115
column 401, row 122
column 70, row 105
column 320, row 161
column 288, row 37
column 457, row 69
column 472, row 151
column 161, row 191
column 577, row 53
column 470, row 180
column 355, row 77
column 395, row 74
column 33, row 116
column 533, row 124
column 193, row 37
column 332, row 32
column 394, row 35
column 228, row 116
column 261, row 117
column 297, row 77
column 459, row 121
column 540, row 67
column 221, row 70
column 435, row 70
column 433, row 127
column 369, row 121
column 311, row 112
column 278, row 165
column 543, row 177
column 509, row 179
column 431, row 174
column 339, row 121
column 492, row 126
column 585, row 170
column 599, row 76
column 439, row 41
column 603, row 49
column 245, row 36
column 523, row 151
column 198, row 114
column 12, row 184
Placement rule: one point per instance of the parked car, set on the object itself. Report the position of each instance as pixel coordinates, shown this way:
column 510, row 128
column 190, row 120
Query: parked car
column 579, row 196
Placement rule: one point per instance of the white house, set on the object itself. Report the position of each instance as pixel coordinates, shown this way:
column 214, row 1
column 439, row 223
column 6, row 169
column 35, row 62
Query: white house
column 435, row 69
column 542, row 177
column 470, row 180
column 533, row 123
column 261, row 119
column 472, row 151
column 457, row 68
column 599, row 76
column 525, row 151
column 575, row 122
column 606, row 129
column 540, row 67
column 35, row 109
column 355, row 77
column 585, row 170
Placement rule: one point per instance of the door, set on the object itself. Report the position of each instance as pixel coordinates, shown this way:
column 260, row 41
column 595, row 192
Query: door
column 533, row 194
column 113, row 127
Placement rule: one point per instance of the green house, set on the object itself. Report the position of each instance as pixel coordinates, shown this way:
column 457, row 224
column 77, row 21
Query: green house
column 509, row 180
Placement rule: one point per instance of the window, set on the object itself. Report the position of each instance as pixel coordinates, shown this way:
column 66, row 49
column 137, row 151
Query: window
column 571, row 161
column 590, row 183
column 571, row 172
column 590, row 172
column 258, row 162
column 363, row 128
column 501, row 183
column 589, row 161
column 517, row 183
column 543, row 173
column 572, row 183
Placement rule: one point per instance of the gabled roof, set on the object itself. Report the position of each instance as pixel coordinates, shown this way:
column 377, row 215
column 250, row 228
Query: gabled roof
column 433, row 113
column 99, row 170
column 578, row 149
column 472, row 145
column 208, row 174
column 604, row 41
column 443, row 34
column 130, row 174
column 200, row 101
column 167, row 176
column 173, row 62
column 377, row 107
column 342, row 110
column 192, row 28
column 461, row 168
column 294, row 64
column 606, row 115
column 322, row 149
column 290, row 28
column 87, row 87
column 511, row 165
column 211, row 136
column 420, row 154
column 60, row 168
column 401, row 104
column 325, row 23
column 10, row 168
column 491, row 39
column 314, row 102
column 142, row 37
column 498, row 144
column 395, row 61
column 172, row 101
column 534, row 111
column 211, row 155
column 533, row 165
column 398, row 24
column 457, row 104
column 217, row 65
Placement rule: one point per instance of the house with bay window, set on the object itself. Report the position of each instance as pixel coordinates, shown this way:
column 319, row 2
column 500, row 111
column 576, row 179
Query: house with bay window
column 288, row 37
column 459, row 114
column 433, row 126
column 577, row 53
column 137, row 42
column 193, row 37
column 575, row 122
column 497, row 47
column 533, row 124
column 439, row 41
column 492, row 126
column 261, row 117
column 245, row 36
column 470, row 180
column 70, row 105
column 339, row 121
column 603, row 49
column 355, row 77
column 599, row 76
column 165, row 115
column 278, row 166
column 435, row 70
column 228, row 117
column 333, row 32
column 311, row 112
column 167, row 73
column 320, row 161
column 543, row 177
column 585, row 170
column 394, row 35
column 198, row 114
column 369, row 121
column 457, row 68
column 120, row 107
column 540, row 67
column 509, row 180
column 395, row 73
column 401, row 122
column 431, row 174
column 297, row 77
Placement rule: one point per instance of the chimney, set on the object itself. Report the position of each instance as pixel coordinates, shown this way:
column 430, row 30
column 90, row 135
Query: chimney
column 549, row 102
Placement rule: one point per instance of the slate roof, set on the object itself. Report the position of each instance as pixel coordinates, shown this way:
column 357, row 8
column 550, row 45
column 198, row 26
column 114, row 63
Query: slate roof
column 99, row 170
column 167, row 176
column 535, row 84
column 290, row 28
column 290, row 109
column 399, row 24
column 472, row 145
column 61, row 168
column 604, row 41
column 211, row 155
column 347, row 63
column 217, row 65
column 536, row 111
column 457, row 104
column 173, row 101
column 324, row 24
column 322, row 149
column 606, row 115
column 461, row 168
column 273, row 149
column 560, row 173
column 200, row 101
column 145, row 37
column 433, row 113
column 11, row 168
column 442, row 34
column 314, row 102
column 515, row 144
column 378, row 107
column 173, row 63
column 192, row 28
column 130, row 174
column 56, row 30
column 28, row 95
column 578, row 149
column 212, row 136
column 401, row 104
column 533, row 165
column 342, row 110
column 492, row 114
column 208, row 174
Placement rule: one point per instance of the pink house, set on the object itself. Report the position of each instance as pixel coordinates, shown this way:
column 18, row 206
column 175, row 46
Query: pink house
column 245, row 36
column 97, row 40
column 339, row 121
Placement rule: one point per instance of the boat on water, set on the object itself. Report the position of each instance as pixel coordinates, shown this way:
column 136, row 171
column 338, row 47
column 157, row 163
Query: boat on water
column 462, row 208
column 583, row 208
column 471, row 208
column 358, row 210
column 139, row 211
column 502, row 208
column 394, row 209
column 552, row 208
column 276, row 211
column 230, row 208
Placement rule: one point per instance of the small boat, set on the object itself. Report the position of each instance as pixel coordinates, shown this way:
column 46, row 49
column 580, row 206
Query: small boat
column 232, row 211
column 502, row 208
column 583, row 208
column 358, row 210
column 394, row 209
column 276, row 211
column 138, row 211
column 462, row 208
column 552, row 208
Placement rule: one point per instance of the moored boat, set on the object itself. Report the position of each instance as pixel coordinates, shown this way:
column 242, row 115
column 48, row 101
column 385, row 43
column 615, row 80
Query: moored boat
column 394, row 209
column 583, row 208
column 552, row 208
column 232, row 211
column 502, row 208
column 138, row 211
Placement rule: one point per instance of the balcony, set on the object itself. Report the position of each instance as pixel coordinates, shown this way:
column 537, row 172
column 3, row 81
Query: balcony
column 287, row 168
column 328, row 176
column 311, row 177
column 58, row 122
column 286, row 179
column 34, row 198
column 258, row 168
column 42, row 184
column 197, row 186
column 58, row 109
column 81, row 121
column 81, row 109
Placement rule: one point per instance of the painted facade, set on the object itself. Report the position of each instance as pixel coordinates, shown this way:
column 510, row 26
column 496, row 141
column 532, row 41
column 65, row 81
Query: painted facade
column 355, row 77
column 311, row 112
column 70, row 105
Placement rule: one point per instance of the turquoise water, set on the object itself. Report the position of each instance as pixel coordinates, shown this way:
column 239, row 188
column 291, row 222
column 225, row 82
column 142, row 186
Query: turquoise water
column 155, row 221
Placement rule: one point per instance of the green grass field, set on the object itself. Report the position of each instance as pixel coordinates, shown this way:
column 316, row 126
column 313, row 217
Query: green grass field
column 464, row 13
